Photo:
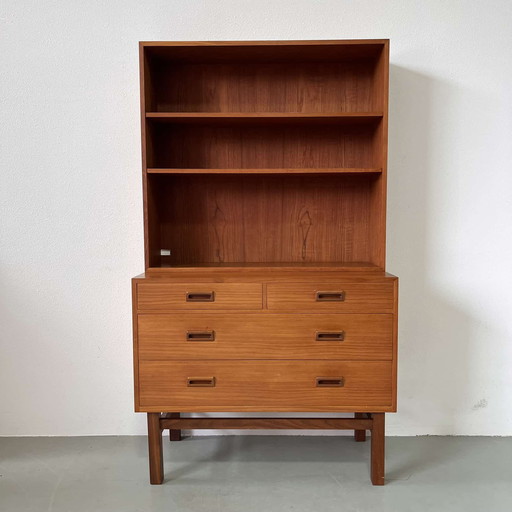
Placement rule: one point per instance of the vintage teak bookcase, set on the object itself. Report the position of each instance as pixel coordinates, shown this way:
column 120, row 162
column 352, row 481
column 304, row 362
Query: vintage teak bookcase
column 264, row 179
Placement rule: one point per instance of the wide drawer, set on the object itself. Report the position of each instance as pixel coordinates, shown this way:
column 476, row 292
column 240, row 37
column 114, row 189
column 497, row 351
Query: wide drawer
column 253, row 335
column 332, row 296
column 189, row 386
column 194, row 296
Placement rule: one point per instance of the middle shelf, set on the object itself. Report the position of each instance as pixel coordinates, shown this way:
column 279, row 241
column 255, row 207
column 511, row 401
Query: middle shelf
column 298, row 170
column 331, row 142
column 266, row 117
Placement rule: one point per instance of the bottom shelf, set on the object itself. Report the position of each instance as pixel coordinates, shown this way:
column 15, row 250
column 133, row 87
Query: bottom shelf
column 265, row 221
column 353, row 266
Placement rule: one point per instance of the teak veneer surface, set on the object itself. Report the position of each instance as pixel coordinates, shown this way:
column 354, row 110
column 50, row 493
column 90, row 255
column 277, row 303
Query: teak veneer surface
column 267, row 87
column 164, row 296
column 268, row 423
column 296, row 170
column 260, row 219
column 288, row 143
column 259, row 386
column 253, row 273
column 269, row 106
column 264, row 180
column 264, row 141
column 268, row 50
column 248, row 336
column 358, row 298
column 308, row 118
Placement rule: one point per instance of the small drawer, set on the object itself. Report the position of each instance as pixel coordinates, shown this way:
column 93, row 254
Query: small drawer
column 333, row 296
column 264, row 336
column 209, row 386
column 161, row 296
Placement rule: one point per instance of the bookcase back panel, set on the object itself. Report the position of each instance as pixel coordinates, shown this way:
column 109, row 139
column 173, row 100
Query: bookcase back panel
column 259, row 145
column 264, row 219
column 267, row 87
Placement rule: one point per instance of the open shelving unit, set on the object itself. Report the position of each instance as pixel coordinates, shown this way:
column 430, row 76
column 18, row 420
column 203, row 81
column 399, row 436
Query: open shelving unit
column 262, row 155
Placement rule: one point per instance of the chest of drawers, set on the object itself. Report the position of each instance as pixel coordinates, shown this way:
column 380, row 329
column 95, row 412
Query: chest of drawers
column 320, row 342
column 264, row 185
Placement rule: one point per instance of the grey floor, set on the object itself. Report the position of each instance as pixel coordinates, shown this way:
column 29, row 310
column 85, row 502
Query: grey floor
column 255, row 473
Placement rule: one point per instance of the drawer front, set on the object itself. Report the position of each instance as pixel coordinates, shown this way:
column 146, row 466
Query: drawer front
column 258, row 336
column 206, row 386
column 202, row 296
column 333, row 296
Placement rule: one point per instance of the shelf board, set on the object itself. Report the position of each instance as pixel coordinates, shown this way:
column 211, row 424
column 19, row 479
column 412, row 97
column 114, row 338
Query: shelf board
column 305, row 170
column 356, row 266
column 265, row 52
column 292, row 115
column 323, row 117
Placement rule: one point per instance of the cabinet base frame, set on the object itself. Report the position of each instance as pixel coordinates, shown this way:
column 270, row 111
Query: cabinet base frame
column 362, row 422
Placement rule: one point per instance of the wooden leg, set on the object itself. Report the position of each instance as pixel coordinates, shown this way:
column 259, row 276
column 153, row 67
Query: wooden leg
column 360, row 435
column 377, row 449
column 174, row 435
column 156, row 460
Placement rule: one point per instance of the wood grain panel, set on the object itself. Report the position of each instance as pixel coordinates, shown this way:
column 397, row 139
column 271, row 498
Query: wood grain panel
column 267, row 87
column 380, row 151
column 265, row 386
column 237, row 118
column 378, row 449
column 320, row 170
column 243, row 336
column 358, row 298
column 257, row 52
column 156, row 461
column 135, row 344
column 268, row 272
column 267, row 423
column 161, row 296
column 395, row 344
column 249, row 88
column 265, row 219
column 254, row 144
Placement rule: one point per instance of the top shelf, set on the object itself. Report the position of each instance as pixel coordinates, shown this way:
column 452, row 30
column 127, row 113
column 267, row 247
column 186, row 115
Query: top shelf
column 271, row 81
column 264, row 51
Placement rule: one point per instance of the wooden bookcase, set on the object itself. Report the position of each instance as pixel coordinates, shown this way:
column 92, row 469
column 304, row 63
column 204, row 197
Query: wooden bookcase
column 264, row 165
column 267, row 154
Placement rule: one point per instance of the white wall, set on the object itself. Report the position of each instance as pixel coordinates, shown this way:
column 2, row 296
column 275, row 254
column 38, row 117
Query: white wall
column 71, row 218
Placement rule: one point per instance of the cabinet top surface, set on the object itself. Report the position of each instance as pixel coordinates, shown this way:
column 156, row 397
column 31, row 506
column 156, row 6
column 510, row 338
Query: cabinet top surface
column 266, row 43
column 179, row 275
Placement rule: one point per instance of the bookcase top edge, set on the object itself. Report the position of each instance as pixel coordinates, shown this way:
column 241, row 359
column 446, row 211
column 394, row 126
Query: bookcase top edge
column 326, row 42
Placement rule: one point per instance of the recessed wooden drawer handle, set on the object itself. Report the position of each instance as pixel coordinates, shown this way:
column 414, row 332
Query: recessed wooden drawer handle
column 200, row 296
column 330, row 336
column 201, row 382
column 200, row 335
column 329, row 382
column 330, row 296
